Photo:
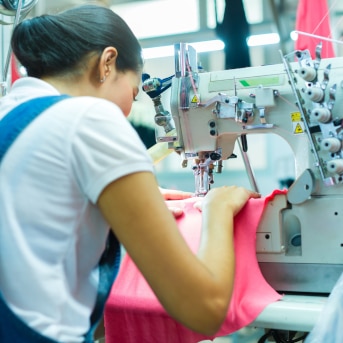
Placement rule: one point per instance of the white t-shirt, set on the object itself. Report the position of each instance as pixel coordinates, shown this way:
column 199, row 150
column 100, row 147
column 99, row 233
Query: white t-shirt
column 51, row 232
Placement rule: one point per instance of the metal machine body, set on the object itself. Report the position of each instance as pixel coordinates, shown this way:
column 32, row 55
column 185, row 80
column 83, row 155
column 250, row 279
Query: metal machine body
column 300, row 236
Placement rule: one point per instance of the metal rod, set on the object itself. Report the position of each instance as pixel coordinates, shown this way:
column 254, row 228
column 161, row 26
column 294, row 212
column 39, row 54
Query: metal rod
column 248, row 168
column 319, row 37
column 9, row 52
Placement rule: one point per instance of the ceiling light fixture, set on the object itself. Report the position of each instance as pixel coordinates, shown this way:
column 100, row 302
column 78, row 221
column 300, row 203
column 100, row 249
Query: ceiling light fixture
column 211, row 45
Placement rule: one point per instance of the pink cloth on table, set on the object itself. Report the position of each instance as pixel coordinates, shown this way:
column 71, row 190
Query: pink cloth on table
column 133, row 313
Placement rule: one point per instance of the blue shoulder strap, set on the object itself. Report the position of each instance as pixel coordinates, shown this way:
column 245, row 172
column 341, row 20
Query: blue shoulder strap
column 10, row 128
column 16, row 120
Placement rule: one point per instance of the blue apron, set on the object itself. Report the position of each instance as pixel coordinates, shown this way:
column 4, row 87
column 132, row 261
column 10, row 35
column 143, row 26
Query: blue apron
column 12, row 328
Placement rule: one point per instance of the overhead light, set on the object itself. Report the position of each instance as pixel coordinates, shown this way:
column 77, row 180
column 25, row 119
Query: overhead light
column 165, row 51
column 160, row 51
column 264, row 39
column 212, row 45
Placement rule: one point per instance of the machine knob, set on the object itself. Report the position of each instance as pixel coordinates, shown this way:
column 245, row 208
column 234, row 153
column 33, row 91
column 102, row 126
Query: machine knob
column 308, row 73
column 315, row 94
column 331, row 144
column 214, row 156
column 335, row 166
column 322, row 114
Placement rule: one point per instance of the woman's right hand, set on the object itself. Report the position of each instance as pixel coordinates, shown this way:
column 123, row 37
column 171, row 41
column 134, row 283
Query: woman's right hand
column 230, row 198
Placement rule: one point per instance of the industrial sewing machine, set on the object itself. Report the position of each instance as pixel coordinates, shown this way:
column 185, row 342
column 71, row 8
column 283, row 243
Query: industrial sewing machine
column 300, row 237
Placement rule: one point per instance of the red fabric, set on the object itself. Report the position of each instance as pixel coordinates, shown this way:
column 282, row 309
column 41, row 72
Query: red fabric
column 133, row 314
column 15, row 75
column 313, row 17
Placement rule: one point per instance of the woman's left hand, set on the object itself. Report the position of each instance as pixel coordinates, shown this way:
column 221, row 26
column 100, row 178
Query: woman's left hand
column 171, row 194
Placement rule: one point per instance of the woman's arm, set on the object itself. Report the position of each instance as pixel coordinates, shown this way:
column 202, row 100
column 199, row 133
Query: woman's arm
column 195, row 290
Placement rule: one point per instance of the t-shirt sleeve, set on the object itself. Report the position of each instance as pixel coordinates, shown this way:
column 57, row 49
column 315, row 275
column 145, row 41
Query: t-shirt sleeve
column 105, row 148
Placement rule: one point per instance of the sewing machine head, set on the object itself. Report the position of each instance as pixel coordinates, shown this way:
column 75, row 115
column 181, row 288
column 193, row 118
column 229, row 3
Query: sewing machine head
column 212, row 111
column 299, row 239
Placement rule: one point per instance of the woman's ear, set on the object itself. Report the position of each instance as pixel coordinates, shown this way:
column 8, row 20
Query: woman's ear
column 107, row 61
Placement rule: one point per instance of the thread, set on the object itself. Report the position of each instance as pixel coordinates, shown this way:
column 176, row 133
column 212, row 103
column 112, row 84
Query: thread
column 320, row 37
column 315, row 94
column 322, row 114
column 308, row 73
column 331, row 144
column 335, row 166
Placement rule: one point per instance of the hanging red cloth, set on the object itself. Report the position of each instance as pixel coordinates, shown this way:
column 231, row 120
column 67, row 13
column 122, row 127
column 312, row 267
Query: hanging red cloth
column 313, row 17
column 15, row 75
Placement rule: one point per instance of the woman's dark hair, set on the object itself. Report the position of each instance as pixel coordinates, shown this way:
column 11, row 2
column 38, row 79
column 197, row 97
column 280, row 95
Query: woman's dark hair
column 51, row 45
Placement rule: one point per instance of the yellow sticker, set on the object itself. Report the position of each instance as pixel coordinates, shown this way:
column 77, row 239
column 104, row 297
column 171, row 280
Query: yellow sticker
column 195, row 99
column 297, row 123
column 296, row 116
column 299, row 128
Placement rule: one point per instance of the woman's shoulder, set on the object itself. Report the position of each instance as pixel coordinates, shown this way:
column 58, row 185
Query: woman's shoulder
column 89, row 115
column 91, row 103
column 88, row 108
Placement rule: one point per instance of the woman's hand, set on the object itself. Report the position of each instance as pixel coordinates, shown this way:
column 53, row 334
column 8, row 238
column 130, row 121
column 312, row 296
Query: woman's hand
column 233, row 198
column 170, row 194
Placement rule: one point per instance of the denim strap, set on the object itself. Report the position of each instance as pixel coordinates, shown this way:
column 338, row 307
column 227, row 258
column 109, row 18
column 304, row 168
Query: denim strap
column 21, row 116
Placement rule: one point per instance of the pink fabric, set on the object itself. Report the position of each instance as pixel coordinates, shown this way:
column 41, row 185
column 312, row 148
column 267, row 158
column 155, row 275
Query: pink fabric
column 133, row 314
column 313, row 17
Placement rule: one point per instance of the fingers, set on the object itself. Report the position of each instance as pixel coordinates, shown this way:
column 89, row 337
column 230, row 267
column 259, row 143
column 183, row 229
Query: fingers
column 233, row 198
column 198, row 205
column 176, row 211
column 171, row 194
column 234, row 195
column 254, row 195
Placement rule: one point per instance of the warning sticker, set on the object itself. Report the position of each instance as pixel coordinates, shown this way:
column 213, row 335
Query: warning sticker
column 195, row 99
column 297, row 124
column 296, row 116
column 299, row 128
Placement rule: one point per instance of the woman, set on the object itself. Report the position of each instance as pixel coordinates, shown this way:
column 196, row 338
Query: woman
column 78, row 170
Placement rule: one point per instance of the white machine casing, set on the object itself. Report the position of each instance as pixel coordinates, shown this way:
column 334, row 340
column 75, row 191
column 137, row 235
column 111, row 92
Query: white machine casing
column 300, row 236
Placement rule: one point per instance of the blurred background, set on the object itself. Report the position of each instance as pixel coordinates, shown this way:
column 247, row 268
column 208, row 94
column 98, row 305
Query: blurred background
column 227, row 34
